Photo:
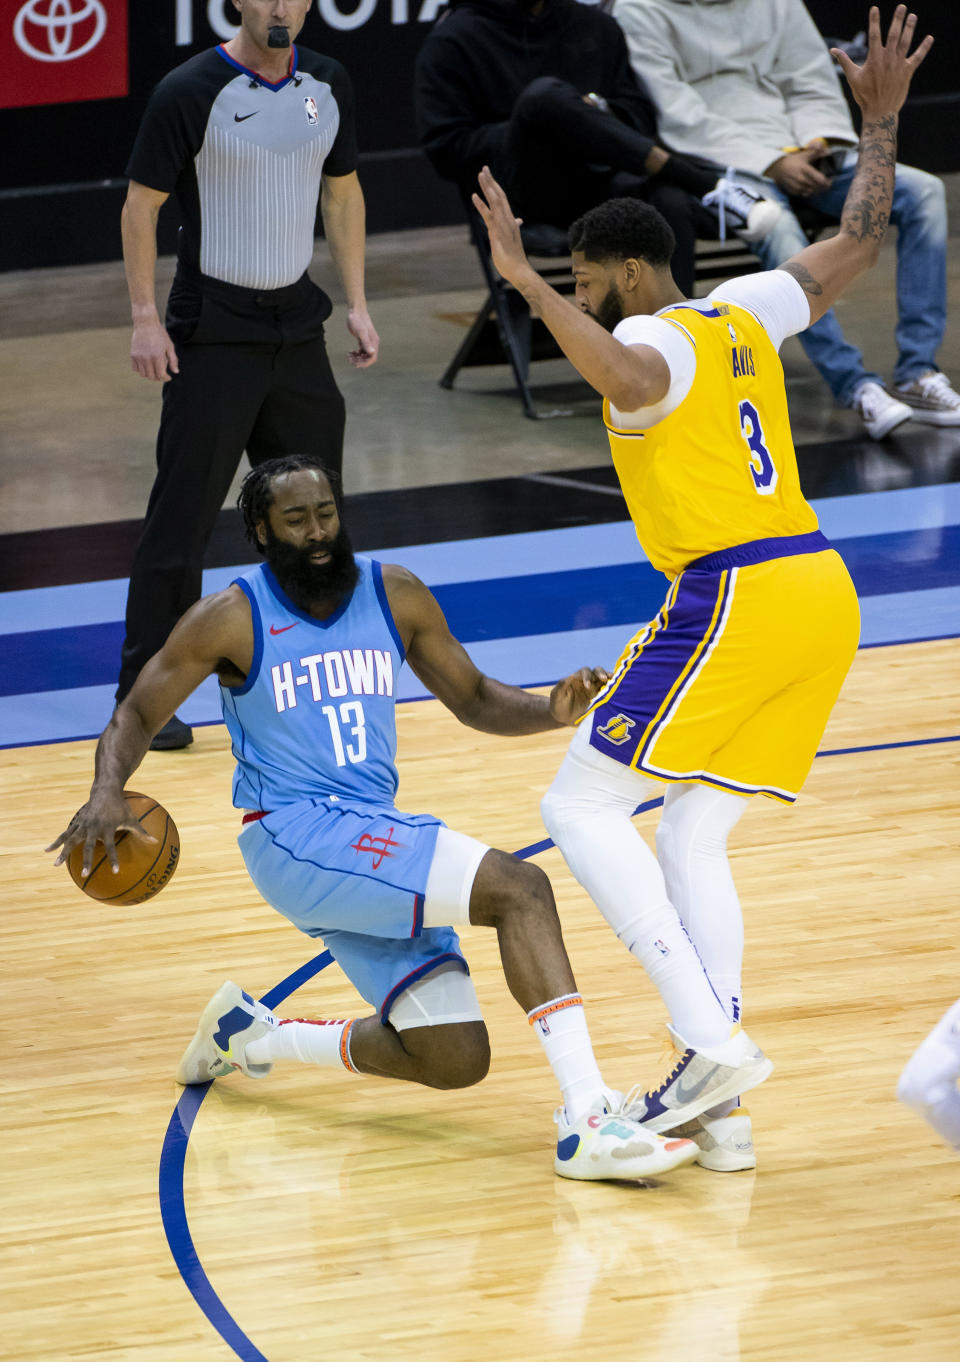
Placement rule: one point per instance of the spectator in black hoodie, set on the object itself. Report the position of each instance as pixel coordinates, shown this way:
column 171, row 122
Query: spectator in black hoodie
column 543, row 93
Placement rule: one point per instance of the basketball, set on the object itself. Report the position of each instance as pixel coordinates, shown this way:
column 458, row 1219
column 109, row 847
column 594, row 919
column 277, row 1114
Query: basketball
column 145, row 867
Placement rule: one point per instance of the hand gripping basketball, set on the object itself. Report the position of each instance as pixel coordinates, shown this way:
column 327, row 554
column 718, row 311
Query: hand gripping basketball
column 145, row 864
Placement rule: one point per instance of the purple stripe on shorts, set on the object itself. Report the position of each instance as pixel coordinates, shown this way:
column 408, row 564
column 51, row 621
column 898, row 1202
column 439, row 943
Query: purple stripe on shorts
column 621, row 721
column 712, row 625
column 760, row 551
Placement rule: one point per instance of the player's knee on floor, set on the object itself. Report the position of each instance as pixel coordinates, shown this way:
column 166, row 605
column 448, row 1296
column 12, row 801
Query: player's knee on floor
column 448, row 1057
column 440, row 1025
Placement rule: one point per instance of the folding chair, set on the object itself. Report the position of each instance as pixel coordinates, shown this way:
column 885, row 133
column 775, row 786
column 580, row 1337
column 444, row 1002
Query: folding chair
column 503, row 331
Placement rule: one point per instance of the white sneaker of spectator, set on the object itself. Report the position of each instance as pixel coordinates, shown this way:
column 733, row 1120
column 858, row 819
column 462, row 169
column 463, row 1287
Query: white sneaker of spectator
column 879, row 412
column 750, row 215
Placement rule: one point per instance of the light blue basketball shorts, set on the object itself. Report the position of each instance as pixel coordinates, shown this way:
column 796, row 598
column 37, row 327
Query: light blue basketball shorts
column 355, row 875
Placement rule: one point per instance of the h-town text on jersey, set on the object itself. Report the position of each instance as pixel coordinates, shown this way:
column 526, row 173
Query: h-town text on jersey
column 347, row 671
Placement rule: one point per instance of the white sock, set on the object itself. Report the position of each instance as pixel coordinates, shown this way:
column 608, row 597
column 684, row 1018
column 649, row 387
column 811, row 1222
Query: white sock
column 311, row 1042
column 561, row 1025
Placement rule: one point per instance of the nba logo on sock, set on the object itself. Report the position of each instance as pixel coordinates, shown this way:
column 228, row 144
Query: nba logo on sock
column 310, row 105
column 662, row 947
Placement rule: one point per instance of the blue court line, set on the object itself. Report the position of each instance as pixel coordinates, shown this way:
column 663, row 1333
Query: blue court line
column 173, row 1154
column 173, row 1210
column 609, row 596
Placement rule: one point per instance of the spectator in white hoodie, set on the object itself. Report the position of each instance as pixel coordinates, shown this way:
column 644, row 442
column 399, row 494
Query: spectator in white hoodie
column 750, row 84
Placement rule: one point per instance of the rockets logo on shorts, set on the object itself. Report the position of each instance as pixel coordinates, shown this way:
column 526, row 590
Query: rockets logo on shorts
column 310, row 106
column 617, row 729
column 378, row 847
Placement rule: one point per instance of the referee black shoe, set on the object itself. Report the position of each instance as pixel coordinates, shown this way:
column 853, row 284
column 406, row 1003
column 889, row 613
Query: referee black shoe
column 175, row 733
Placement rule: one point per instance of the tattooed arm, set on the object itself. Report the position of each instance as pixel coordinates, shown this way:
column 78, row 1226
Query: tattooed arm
column 880, row 87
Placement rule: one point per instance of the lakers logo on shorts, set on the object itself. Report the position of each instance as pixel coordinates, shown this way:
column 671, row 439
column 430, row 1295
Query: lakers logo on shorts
column 617, row 729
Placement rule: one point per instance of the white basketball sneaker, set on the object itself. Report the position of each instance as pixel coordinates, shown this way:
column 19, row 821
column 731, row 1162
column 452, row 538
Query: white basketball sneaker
column 725, row 1142
column 230, row 1020
column 698, row 1080
column 601, row 1145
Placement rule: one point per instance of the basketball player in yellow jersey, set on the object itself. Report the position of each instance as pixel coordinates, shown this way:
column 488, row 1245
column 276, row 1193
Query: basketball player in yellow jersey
column 727, row 692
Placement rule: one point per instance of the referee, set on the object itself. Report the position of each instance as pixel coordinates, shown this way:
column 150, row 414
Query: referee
column 246, row 135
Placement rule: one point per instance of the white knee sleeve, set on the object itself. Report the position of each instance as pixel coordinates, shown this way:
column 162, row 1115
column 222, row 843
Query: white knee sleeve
column 587, row 812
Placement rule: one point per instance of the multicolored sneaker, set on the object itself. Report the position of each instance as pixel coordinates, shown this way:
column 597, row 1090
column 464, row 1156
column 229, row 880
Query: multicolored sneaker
column 230, row 1020
column 698, row 1080
column 725, row 1142
column 601, row 1145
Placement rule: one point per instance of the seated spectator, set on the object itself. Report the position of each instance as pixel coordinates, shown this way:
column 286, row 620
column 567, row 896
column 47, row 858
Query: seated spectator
column 751, row 84
column 544, row 95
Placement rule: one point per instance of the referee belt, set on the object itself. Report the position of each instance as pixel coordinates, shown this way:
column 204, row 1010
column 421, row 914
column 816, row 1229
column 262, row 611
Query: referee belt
column 239, row 295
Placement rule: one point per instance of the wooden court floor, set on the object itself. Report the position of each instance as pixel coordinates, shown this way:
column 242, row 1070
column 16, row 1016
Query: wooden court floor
column 341, row 1218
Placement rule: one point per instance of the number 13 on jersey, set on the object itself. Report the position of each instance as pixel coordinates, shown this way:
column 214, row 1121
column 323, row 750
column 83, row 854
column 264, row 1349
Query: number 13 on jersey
column 350, row 717
column 761, row 464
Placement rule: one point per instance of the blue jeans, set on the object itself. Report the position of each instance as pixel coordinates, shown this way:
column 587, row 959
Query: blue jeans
column 920, row 215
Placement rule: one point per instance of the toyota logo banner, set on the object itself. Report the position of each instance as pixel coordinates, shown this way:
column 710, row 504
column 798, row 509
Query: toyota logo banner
column 62, row 51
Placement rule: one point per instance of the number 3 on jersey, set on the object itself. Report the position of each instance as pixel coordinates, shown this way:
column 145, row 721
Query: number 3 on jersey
column 761, row 465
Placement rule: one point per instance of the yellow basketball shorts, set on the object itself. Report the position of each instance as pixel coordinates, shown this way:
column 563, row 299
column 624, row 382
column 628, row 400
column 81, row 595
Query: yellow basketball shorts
column 733, row 682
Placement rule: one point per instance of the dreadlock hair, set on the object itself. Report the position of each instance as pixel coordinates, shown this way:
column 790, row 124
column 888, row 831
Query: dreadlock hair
column 623, row 229
column 256, row 491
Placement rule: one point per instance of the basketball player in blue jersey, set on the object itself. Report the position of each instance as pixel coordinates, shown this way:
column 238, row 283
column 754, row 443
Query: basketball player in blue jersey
column 727, row 692
column 307, row 648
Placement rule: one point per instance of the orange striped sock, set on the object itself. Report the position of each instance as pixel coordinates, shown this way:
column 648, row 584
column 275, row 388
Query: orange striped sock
column 322, row 1042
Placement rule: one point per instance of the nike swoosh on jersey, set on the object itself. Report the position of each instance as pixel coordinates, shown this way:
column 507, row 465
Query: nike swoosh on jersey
column 242, row 118
column 284, row 628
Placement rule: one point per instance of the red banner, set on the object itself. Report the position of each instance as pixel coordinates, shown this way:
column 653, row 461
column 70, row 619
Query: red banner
column 62, row 51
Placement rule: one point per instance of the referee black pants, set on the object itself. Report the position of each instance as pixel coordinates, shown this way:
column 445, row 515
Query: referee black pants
column 254, row 375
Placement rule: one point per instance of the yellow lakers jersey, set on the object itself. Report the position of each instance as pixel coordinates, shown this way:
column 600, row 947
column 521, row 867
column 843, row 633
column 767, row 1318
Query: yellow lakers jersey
column 721, row 469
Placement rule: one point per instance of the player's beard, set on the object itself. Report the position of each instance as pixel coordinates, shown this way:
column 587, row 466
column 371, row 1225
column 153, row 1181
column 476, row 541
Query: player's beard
column 610, row 311
column 306, row 582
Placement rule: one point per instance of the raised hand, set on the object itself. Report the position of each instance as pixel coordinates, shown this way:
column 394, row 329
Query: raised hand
column 503, row 229
column 880, row 85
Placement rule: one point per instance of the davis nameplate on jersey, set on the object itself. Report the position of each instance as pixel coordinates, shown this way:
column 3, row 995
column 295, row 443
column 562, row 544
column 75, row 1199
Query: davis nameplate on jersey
column 310, row 105
column 617, row 729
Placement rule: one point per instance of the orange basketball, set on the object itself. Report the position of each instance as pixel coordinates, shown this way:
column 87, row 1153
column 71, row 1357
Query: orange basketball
column 145, row 867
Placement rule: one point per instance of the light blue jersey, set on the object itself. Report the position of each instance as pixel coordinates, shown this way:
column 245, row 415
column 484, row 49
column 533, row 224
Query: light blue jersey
column 314, row 735
column 316, row 714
